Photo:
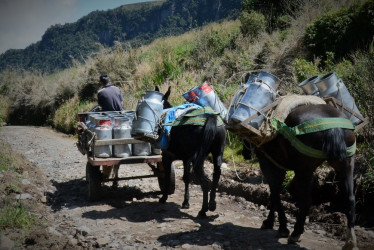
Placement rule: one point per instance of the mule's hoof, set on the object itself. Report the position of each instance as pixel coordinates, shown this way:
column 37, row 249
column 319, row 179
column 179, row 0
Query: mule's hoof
column 185, row 205
column 350, row 245
column 202, row 214
column 267, row 224
column 294, row 239
column 212, row 206
column 283, row 233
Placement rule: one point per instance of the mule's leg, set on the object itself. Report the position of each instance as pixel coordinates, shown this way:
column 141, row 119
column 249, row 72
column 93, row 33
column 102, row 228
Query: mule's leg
column 166, row 162
column 303, row 182
column 205, row 186
column 115, row 173
column 186, row 180
column 275, row 177
column 217, row 162
column 345, row 174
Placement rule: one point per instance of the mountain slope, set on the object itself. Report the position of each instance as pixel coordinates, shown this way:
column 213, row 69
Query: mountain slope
column 136, row 23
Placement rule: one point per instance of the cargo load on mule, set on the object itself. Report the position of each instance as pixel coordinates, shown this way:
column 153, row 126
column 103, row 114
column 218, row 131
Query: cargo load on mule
column 187, row 132
column 298, row 133
column 257, row 105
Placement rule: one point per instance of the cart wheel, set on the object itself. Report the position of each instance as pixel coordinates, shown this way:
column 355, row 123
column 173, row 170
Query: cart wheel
column 93, row 176
column 161, row 178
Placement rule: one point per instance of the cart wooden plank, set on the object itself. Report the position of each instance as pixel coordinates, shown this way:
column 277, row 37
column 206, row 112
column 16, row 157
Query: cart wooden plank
column 94, row 161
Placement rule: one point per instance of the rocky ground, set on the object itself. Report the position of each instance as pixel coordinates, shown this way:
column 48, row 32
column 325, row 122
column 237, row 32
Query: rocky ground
column 130, row 217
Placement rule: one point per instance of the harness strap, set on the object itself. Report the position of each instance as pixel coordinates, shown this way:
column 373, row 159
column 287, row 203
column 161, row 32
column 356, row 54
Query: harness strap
column 309, row 127
column 274, row 161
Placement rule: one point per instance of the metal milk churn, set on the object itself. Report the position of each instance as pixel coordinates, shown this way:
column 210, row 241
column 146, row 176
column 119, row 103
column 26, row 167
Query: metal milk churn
column 309, row 85
column 330, row 86
column 238, row 96
column 103, row 131
column 121, row 129
column 260, row 93
column 90, row 122
column 204, row 95
column 141, row 149
column 148, row 113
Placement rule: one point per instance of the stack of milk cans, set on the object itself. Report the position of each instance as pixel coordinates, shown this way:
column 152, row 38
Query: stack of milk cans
column 115, row 125
column 330, row 85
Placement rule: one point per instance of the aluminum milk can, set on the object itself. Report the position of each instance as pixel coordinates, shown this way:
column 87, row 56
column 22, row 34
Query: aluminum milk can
column 309, row 85
column 260, row 93
column 141, row 149
column 238, row 96
column 103, row 131
column 204, row 95
column 330, row 86
column 121, row 129
column 148, row 113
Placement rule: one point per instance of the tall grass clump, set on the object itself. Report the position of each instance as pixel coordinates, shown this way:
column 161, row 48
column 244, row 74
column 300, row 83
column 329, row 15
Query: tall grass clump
column 15, row 216
column 66, row 117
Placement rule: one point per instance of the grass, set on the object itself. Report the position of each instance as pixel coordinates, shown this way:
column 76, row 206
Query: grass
column 15, row 216
column 13, row 213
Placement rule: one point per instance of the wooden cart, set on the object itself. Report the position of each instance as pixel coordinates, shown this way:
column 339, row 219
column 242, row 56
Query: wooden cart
column 96, row 173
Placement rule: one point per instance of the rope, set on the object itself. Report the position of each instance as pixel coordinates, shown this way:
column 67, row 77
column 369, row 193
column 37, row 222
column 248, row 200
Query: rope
column 233, row 160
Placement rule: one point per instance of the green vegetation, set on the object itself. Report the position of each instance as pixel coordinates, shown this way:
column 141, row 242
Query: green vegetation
column 341, row 31
column 15, row 216
column 137, row 24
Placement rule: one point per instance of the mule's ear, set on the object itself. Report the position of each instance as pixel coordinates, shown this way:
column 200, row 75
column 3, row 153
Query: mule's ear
column 167, row 94
column 157, row 89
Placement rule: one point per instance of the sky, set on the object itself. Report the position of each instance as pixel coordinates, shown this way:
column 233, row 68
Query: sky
column 23, row 22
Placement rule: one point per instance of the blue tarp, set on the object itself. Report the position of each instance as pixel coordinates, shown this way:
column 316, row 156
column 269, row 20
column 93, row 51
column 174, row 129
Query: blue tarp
column 170, row 117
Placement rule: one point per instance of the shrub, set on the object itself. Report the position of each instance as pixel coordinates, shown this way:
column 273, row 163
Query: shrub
column 341, row 31
column 304, row 69
column 252, row 23
column 65, row 119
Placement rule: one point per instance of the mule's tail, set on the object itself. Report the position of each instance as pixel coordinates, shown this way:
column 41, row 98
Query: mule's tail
column 209, row 132
column 334, row 144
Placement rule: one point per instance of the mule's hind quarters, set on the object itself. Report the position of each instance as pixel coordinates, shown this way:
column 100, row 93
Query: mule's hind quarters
column 298, row 154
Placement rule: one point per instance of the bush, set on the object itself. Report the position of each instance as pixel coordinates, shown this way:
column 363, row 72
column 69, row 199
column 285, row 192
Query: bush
column 252, row 23
column 341, row 31
column 304, row 69
column 66, row 117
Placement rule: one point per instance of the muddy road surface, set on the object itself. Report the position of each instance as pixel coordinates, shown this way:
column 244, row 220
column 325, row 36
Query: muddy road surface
column 130, row 217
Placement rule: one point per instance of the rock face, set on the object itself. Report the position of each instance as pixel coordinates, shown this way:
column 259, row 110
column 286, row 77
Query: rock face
column 131, row 217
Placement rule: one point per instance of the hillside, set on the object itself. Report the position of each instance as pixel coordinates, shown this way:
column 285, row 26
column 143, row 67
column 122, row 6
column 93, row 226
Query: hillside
column 135, row 24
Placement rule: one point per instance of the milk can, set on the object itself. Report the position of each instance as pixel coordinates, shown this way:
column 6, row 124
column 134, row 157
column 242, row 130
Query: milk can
column 309, row 85
column 238, row 96
column 148, row 113
column 141, row 149
column 155, row 149
column 204, row 95
column 90, row 121
column 260, row 93
column 103, row 131
column 330, row 86
column 121, row 129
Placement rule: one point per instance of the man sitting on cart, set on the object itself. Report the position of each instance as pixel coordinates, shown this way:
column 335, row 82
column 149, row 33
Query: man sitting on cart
column 109, row 97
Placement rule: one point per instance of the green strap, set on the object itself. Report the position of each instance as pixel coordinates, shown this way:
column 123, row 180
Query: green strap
column 322, row 124
column 290, row 134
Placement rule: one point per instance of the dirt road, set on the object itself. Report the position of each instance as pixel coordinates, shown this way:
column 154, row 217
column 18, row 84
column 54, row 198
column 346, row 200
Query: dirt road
column 131, row 217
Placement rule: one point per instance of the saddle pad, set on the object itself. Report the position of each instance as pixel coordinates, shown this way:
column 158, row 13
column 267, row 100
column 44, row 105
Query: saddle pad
column 195, row 117
column 290, row 102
